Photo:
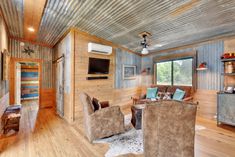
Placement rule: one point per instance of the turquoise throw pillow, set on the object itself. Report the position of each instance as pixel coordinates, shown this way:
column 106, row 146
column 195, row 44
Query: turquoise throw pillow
column 178, row 95
column 151, row 93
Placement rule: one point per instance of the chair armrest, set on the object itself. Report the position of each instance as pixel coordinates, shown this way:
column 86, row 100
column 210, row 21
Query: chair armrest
column 104, row 104
column 188, row 99
column 107, row 112
column 106, row 122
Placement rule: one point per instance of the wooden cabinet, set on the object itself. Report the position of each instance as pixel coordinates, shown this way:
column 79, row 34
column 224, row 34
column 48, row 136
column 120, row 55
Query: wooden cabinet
column 226, row 108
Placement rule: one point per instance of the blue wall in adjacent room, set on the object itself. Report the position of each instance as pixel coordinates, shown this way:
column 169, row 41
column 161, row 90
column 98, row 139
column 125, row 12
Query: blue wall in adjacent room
column 126, row 58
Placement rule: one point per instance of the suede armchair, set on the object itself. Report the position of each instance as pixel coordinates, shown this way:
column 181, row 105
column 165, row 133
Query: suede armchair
column 102, row 123
column 169, row 129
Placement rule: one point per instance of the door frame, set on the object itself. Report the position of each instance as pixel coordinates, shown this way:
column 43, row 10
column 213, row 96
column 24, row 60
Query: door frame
column 13, row 62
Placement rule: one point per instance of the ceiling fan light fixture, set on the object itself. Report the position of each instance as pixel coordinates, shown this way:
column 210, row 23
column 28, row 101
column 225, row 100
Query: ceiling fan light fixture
column 145, row 51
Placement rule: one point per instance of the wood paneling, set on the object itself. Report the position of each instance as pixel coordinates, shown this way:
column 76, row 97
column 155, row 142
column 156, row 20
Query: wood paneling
column 33, row 11
column 101, row 89
column 122, row 97
column 104, row 90
column 207, row 103
column 47, row 98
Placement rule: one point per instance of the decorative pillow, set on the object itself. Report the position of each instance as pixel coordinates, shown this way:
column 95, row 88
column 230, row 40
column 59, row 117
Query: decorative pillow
column 167, row 96
column 96, row 104
column 178, row 95
column 151, row 93
column 160, row 95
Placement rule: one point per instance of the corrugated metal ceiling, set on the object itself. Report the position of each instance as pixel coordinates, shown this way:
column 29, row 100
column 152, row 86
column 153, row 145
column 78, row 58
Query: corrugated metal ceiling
column 172, row 23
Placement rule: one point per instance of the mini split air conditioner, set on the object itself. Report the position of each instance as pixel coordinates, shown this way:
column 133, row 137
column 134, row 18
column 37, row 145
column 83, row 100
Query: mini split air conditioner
column 99, row 49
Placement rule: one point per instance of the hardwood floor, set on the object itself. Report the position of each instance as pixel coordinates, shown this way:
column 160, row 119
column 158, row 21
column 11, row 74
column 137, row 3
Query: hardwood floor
column 43, row 134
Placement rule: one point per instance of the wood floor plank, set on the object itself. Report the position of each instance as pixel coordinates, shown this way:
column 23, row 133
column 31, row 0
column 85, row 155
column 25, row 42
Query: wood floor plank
column 42, row 133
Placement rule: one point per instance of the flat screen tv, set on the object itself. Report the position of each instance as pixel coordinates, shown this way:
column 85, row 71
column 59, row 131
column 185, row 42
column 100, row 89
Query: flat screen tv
column 98, row 66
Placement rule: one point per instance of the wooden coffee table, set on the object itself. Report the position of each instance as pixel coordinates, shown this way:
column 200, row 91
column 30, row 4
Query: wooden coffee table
column 136, row 119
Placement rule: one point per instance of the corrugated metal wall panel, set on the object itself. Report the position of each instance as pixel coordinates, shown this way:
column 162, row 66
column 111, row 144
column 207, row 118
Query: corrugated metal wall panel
column 209, row 52
column 126, row 58
column 43, row 53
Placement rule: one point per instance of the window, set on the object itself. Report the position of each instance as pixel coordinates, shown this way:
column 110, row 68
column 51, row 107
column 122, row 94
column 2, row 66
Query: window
column 164, row 73
column 175, row 72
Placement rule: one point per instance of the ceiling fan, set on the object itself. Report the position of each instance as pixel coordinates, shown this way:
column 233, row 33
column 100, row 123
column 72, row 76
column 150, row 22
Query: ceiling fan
column 145, row 43
column 26, row 49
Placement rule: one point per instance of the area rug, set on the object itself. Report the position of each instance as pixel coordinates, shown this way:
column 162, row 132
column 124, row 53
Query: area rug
column 129, row 142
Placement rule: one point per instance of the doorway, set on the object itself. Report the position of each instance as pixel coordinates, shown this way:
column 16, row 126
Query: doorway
column 25, row 81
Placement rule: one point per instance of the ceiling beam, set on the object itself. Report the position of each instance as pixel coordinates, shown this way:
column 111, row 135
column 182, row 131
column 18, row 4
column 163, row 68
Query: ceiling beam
column 33, row 11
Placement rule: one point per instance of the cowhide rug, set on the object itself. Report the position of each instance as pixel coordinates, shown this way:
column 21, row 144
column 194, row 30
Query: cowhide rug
column 129, row 142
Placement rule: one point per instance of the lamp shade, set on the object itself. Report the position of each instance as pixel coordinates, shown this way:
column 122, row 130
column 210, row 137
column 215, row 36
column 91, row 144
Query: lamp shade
column 202, row 66
column 145, row 51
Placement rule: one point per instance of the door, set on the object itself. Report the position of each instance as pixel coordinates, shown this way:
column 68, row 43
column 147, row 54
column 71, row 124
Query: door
column 17, row 83
column 60, row 87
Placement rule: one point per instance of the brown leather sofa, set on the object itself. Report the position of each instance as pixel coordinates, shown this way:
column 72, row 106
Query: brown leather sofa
column 102, row 123
column 164, row 89
column 169, row 129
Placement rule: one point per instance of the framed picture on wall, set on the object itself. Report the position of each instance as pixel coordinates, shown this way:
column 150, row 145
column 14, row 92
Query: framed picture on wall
column 5, row 64
column 129, row 72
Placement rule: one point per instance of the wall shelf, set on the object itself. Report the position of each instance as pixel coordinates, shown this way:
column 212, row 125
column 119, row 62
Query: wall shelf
column 228, row 60
column 228, row 74
column 201, row 69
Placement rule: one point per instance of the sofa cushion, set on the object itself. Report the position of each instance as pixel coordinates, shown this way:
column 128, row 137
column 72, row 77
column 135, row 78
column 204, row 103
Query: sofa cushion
column 96, row 104
column 167, row 96
column 151, row 93
column 178, row 95
column 187, row 89
column 161, row 88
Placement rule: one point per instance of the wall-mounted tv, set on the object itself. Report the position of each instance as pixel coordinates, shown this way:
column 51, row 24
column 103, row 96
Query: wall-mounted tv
column 98, row 66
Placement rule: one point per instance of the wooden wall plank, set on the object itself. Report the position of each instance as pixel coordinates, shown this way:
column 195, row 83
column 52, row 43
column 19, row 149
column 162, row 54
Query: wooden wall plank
column 104, row 90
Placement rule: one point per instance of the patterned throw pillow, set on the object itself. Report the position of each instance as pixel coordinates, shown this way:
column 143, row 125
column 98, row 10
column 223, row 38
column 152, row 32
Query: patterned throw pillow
column 96, row 104
column 167, row 96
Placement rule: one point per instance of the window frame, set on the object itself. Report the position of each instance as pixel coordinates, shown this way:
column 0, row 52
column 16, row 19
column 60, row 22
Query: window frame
column 172, row 69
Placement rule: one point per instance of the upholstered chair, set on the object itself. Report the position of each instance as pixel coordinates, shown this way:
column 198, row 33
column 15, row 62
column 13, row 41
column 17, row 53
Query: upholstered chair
column 102, row 123
column 169, row 129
